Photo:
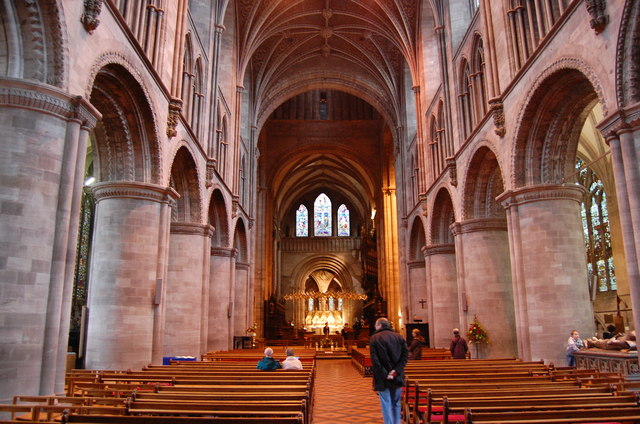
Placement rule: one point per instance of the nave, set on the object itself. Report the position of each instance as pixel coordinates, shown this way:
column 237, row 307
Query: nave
column 343, row 396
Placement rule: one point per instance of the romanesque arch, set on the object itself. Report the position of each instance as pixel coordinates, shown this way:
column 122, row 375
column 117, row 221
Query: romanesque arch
column 126, row 142
column 549, row 126
column 33, row 45
column 483, row 255
column 218, row 218
column 184, row 180
column 444, row 306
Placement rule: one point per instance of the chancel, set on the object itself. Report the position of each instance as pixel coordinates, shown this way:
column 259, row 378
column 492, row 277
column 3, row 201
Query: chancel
column 205, row 177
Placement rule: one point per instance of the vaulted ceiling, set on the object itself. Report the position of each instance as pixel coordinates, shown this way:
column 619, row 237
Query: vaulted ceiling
column 358, row 46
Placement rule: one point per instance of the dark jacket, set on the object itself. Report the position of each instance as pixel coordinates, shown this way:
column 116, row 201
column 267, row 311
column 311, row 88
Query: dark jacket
column 459, row 348
column 388, row 352
column 268, row 364
column 415, row 348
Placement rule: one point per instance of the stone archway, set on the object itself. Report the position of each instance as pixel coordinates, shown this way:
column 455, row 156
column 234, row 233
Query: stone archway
column 543, row 212
column 444, row 306
column 483, row 252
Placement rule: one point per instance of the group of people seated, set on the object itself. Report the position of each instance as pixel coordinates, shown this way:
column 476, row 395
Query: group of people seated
column 611, row 340
column 269, row 363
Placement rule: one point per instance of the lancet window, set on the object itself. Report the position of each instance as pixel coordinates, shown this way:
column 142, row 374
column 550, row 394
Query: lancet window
column 302, row 222
column 597, row 235
column 322, row 214
column 323, row 217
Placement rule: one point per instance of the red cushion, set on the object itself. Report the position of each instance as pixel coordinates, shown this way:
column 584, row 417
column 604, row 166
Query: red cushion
column 440, row 418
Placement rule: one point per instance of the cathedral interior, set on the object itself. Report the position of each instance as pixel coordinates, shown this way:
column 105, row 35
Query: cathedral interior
column 178, row 175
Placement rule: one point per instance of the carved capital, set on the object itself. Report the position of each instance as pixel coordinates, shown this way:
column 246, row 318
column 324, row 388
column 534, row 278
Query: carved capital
column 597, row 10
column 497, row 112
column 225, row 252
column 235, row 206
column 49, row 100
column 134, row 190
column 211, row 171
column 541, row 192
column 190, row 228
column 483, row 224
column 439, row 249
column 175, row 107
column 622, row 120
column 90, row 15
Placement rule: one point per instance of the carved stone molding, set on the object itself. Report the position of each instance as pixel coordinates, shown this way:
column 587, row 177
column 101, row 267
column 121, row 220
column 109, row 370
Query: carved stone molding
column 134, row 190
column 541, row 192
column 627, row 119
column 235, row 206
column 597, row 10
column 90, row 15
column 212, row 165
column 192, row 228
column 453, row 171
column 482, row 224
column 497, row 112
column 45, row 99
column 439, row 249
column 242, row 266
column 225, row 252
column 175, row 107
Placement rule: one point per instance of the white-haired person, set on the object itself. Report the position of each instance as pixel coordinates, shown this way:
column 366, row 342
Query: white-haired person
column 291, row 362
column 268, row 363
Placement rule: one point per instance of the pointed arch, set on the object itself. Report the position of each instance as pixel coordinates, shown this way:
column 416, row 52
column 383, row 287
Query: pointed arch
column 322, row 216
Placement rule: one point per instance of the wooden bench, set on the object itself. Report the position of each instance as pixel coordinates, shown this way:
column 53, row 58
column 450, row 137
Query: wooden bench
column 608, row 415
column 132, row 419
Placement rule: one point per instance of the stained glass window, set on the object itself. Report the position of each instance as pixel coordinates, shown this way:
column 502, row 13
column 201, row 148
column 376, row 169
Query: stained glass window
column 322, row 213
column 310, row 304
column 595, row 224
column 331, row 304
column 302, row 221
column 343, row 221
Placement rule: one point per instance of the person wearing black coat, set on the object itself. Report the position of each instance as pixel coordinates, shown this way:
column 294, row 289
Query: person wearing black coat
column 389, row 355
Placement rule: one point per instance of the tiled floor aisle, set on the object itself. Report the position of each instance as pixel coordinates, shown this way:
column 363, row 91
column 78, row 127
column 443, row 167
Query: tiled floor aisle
column 343, row 396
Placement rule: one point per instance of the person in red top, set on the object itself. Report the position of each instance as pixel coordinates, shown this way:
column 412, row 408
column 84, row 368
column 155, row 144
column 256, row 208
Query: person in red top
column 459, row 346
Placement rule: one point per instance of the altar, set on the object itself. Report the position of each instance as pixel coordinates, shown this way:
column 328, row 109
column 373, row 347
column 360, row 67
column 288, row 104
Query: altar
column 608, row 360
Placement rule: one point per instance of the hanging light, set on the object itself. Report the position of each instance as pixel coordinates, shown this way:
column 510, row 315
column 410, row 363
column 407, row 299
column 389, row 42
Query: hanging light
column 324, row 295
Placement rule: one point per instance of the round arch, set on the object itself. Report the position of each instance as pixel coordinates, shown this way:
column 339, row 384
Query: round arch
column 482, row 184
column 184, row 180
column 218, row 218
column 127, row 147
column 548, row 129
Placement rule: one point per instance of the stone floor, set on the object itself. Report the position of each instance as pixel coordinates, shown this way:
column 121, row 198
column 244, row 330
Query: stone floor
column 343, row 396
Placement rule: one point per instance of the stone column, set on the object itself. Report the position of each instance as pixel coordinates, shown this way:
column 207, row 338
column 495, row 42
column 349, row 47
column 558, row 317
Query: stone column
column 485, row 283
column 442, row 293
column 44, row 134
column 220, row 308
column 416, row 291
column 188, row 245
column 622, row 132
column 549, row 268
column 241, row 303
column 127, row 274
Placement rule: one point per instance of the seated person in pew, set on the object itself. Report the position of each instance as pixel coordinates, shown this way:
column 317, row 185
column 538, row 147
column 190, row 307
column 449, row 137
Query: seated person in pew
column 268, row 363
column 415, row 348
column 617, row 342
column 574, row 344
column 291, row 362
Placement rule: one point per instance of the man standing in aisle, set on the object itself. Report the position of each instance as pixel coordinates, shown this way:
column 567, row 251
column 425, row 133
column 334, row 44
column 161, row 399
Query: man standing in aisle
column 388, row 357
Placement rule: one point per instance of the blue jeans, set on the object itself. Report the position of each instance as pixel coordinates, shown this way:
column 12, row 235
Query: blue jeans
column 391, row 407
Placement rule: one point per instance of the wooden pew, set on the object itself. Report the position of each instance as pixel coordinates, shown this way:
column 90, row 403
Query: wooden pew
column 132, row 419
column 608, row 415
